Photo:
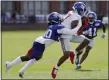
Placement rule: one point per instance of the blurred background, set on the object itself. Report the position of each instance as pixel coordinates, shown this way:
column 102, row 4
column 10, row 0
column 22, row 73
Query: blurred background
column 32, row 15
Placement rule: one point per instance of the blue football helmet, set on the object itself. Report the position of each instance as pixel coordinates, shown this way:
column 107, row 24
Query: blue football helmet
column 80, row 8
column 54, row 18
column 92, row 16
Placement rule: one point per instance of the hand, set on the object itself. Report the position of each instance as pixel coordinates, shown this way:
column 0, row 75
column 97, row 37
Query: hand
column 103, row 35
column 86, row 32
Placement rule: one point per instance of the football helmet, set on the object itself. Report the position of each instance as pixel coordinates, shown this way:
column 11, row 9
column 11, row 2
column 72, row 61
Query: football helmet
column 80, row 8
column 54, row 18
column 92, row 16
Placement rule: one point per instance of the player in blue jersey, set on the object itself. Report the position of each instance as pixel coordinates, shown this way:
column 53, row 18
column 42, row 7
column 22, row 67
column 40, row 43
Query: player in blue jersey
column 53, row 33
column 90, row 32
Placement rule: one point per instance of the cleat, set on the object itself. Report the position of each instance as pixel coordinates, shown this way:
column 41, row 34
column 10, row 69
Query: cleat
column 54, row 72
column 7, row 63
column 72, row 55
column 21, row 74
column 78, row 67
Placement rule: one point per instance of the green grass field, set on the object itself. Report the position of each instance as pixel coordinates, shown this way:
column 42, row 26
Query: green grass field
column 17, row 43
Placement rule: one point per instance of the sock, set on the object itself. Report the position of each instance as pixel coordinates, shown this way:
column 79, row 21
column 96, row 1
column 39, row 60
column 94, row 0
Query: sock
column 28, row 64
column 78, row 64
column 56, row 67
column 16, row 61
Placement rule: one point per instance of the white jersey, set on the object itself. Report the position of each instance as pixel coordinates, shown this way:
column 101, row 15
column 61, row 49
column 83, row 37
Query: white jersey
column 42, row 40
column 71, row 16
column 53, row 34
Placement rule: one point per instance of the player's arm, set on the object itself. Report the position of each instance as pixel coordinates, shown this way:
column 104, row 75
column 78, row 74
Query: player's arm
column 65, row 31
column 75, row 25
column 104, row 31
column 104, row 28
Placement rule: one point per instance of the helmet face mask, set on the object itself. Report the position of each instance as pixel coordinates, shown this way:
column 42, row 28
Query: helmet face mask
column 92, row 17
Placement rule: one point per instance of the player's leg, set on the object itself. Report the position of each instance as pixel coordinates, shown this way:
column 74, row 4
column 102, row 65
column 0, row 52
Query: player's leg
column 77, row 57
column 27, row 65
column 80, row 47
column 85, row 54
column 18, row 60
column 66, row 50
column 76, row 39
column 37, row 53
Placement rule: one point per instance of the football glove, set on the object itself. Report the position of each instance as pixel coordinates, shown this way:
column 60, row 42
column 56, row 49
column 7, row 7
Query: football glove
column 103, row 35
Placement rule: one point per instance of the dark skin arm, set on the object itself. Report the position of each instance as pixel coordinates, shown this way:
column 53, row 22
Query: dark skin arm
column 104, row 28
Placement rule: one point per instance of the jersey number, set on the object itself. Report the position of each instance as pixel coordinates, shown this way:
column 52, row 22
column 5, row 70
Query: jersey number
column 92, row 33
column 48, row 34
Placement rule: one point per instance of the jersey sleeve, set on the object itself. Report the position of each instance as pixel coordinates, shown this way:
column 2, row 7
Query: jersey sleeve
column 101, row 23
column 66, row 31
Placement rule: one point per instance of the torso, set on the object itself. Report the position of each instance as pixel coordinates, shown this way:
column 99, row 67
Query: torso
column 50, row 36
column 71, row 16
column 93, row 28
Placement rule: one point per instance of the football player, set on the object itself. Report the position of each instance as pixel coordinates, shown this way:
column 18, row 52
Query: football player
column 72, row 21
column 53, row 33
column 90, row 32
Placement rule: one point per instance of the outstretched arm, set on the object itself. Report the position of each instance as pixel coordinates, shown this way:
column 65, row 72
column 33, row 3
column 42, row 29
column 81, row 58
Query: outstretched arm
column 104, row 31
column 104, row 28
column 66, row 31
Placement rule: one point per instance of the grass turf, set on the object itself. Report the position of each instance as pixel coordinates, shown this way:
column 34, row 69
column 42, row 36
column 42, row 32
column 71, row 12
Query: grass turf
column 17, row 43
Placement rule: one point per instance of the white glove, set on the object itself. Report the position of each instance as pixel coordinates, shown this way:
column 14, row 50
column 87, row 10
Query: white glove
column 103, row 35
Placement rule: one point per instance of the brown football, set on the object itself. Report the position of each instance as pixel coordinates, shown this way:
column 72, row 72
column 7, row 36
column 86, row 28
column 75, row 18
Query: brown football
column 74, row 24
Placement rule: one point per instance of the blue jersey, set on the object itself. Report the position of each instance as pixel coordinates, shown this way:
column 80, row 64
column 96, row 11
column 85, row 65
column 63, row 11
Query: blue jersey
column 52, row 33
column 93, row 28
